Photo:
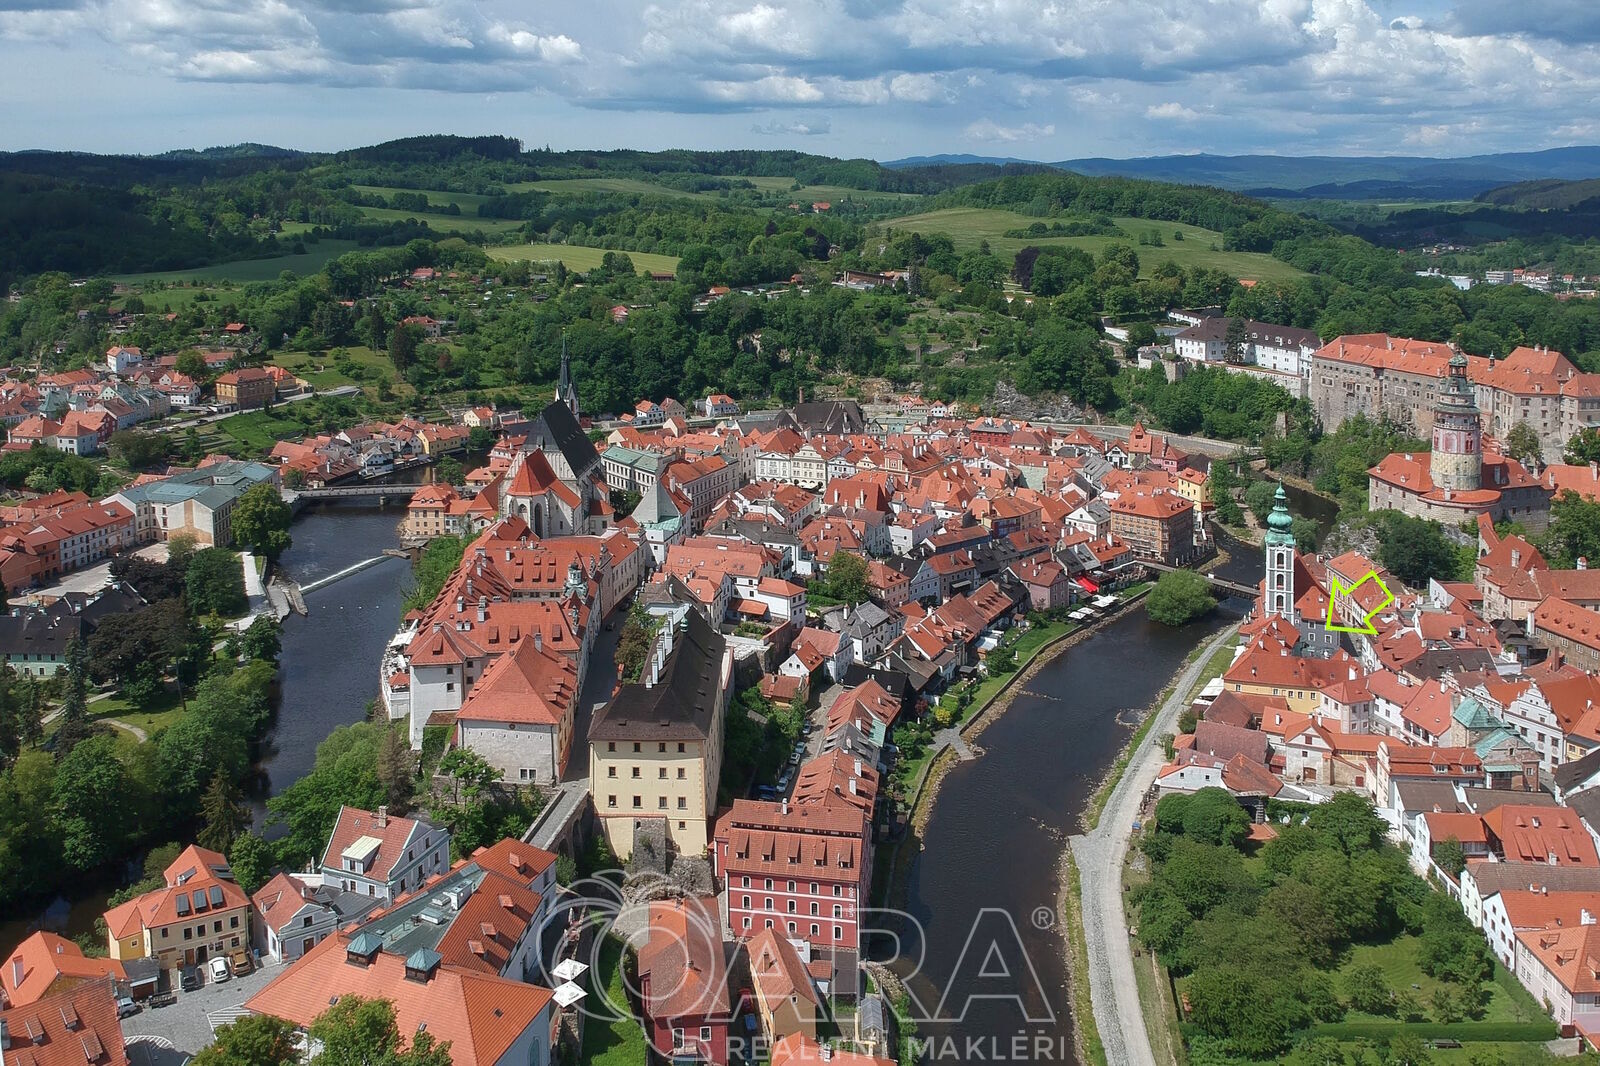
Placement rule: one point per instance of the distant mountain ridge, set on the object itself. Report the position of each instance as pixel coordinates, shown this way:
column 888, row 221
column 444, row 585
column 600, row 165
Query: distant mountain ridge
column 1332, row 176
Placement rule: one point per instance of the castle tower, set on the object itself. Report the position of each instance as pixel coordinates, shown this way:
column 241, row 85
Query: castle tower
column 1280, row 558
column 1457, row 460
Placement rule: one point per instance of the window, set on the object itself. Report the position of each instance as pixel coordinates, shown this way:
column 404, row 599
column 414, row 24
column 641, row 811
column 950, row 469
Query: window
column 745, row 902
column 450, row 686
column 663, row 748
column 216, row 926
column 188, row 934
column 683, row 803
column 611, row 801
column 638, row 801
column 611, row 745
column 611, row 771
column 813, row 888
column 680, row 747
column 769, row 884
column 683, row 825
column 746, row 883
column 767, row 906
column 814, row 910
column 661, row 803
column 791, row 927
column 677, row 1037
column 705, row 1032
column 636, row 773
column 661, row 774
column 682, row 773
column 838, row 933
column 233, row 921
column 838, row 911
column 791, row 886
column 813, row 928
column 636, row 746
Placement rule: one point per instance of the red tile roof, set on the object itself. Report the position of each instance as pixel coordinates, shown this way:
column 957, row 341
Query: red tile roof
column 78, row 1027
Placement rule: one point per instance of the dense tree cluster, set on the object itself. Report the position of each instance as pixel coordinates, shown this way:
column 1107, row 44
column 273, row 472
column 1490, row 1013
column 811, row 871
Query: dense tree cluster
column 1254, row 944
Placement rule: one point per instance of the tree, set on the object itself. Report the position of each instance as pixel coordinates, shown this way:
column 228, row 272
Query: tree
column 261, row 521
column 262, row 640
column 1260, row 497
column 396, row 770
column 75, row 706
column 1213, row 816
column 470, row 774
column 252, row 1040
column 137, row 450
column 251, row 861
column 1414, row 549
column 846, row 578
column 1522, row 444
column 1367, row 989
column 479, row 439
column 403, row 343
column 192, row 364
column 1450, row 856
column 1350, row 821
column 1235, row 341
column 90, row 795
column 215, row 583
column 448, row 471
column 362, row 1032
column 1574, row 531
column 224, row 812
column 1179, row 598
column 1584, row 447
column 180, row 549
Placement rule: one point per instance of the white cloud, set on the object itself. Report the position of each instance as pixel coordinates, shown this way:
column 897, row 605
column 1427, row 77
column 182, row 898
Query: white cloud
column 812, row 128
column 1172, row 111
column 987, row 129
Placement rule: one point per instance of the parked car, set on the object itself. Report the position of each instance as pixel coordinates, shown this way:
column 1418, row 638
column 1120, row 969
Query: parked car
column 162, row 999
column 219, row 970
column 239, row 962
column 191, row 979
column 126, row 1006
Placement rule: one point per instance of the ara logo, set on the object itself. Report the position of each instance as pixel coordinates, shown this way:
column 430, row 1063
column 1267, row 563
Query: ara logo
column 1341, row 589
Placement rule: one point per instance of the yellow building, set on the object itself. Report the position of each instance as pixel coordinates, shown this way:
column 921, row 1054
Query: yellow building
column 199, row 914
column 655, row 751
column 1193, row 486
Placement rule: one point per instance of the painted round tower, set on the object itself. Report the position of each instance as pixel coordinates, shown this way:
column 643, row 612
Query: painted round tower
column 1457, row 460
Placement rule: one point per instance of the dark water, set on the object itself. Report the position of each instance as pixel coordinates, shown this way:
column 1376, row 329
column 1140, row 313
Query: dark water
column 984, row 888
column 330, row 657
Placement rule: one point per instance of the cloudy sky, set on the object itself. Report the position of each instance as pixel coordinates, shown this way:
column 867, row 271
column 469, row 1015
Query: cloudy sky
column 1037, row 79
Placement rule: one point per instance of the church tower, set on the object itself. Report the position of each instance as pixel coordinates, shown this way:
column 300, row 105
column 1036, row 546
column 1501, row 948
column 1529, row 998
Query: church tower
column 566, row 389
column 1457, row 460
column 1280, row 559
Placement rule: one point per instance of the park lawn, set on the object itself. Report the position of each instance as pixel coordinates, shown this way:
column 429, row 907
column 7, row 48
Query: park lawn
column 318, row 368
column 243, row 270
column 446, row 224
column 259, row 430
column 576, row 257
column 969, row 226
column 178, row 297
column 619, row 1042
column 1508, row 1000
column 160, row 714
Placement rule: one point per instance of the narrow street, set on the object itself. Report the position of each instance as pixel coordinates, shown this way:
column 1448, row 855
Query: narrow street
column 1113, row 988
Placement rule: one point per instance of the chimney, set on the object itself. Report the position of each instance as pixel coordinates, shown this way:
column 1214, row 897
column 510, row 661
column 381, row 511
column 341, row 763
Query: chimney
column 17, row 972
column 786, row 806
column 383, row 816
column 1583, row 562
column 483, row 609
column 538, row 640
column 1586, row 917
column 1516, row 558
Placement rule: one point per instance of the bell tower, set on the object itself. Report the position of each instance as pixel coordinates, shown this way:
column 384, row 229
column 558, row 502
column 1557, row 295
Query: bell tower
column 1280, row 559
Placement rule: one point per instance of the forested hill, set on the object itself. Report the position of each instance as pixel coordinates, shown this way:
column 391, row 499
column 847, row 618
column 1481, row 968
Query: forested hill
column 1546, row 195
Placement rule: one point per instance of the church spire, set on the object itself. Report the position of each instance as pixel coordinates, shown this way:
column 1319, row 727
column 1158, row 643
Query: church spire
column 566, row 391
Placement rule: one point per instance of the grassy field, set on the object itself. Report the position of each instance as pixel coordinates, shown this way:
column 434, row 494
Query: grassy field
column 318, row 368
column 159, row 715
column 968, row 226
column 463, row 223
column 579, row 186
column 176, row 297
column 577, row 257
column 467, row 201
column 1508, row 1000
column 258, row 431
column 621, row 1042
column 247, row 269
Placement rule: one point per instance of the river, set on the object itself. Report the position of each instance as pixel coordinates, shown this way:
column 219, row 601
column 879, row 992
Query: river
column 984, row 887
column 330, row 657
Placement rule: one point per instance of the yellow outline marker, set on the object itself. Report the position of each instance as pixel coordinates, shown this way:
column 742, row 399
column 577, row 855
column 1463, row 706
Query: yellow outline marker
column 1366, row 625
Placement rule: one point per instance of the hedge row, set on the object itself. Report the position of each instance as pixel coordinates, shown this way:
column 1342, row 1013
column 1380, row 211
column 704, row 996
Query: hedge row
column 1500, row 1032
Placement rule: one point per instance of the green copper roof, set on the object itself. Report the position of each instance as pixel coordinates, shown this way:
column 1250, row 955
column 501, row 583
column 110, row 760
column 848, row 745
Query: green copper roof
column 1280, row 522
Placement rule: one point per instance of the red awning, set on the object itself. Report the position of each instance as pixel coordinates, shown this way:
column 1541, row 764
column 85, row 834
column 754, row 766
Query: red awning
column 1088, row 586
